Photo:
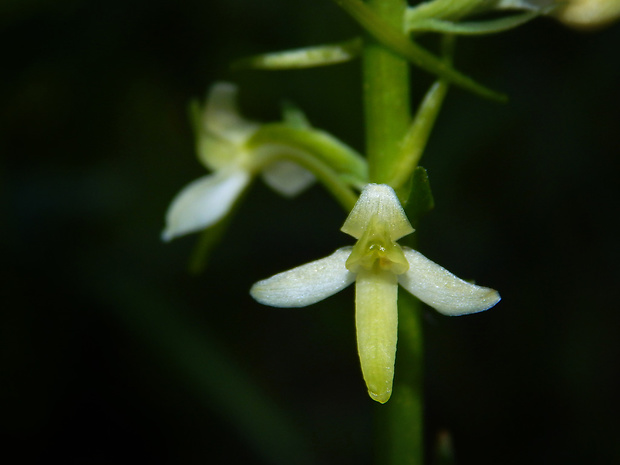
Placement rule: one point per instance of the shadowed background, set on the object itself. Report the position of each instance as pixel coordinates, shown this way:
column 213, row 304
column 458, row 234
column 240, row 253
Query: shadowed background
column 113, row 354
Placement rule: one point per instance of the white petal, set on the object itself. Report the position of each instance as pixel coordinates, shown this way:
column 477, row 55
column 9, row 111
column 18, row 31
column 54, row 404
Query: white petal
column 306, row 284
column 446, row 293
column 222, row 116
column 378, row 201
column 203, row 203
column 376, row 320
column 287, row 178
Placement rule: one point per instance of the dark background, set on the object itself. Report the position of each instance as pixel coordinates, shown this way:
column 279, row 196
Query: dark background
column 113, row 354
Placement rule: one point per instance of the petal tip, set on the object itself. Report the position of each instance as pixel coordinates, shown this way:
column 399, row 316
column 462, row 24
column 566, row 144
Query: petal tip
column 258, row 292
column 492, row 298
column 381, row 397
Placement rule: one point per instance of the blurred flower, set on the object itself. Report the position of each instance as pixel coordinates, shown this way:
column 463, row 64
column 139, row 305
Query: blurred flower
column 588, row 14
column 579, row 14
column 222, row 136
column 377, row 264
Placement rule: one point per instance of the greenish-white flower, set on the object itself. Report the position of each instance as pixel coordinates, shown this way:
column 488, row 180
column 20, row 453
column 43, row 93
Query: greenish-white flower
column 377, row 264
column 222, row 144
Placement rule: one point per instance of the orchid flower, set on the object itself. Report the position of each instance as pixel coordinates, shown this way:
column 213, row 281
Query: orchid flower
column 222, row 147
column 377, row 265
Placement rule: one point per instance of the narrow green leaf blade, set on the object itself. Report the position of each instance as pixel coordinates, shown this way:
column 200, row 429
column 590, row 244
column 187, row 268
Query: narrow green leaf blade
column 492, row 26
column 308, row 57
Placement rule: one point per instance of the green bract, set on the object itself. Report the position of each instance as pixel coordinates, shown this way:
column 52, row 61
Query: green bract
column 377, row 265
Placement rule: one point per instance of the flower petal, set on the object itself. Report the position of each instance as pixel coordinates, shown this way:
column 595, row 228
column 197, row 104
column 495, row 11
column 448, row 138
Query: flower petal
column 306, row 284
column 377, row 201
column 287, row 178
column 203, row 203
column 446, row 293
column 376, row 320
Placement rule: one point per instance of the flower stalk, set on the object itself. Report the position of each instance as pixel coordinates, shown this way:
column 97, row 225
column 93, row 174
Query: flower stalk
column 385, row 78
column 388, row 116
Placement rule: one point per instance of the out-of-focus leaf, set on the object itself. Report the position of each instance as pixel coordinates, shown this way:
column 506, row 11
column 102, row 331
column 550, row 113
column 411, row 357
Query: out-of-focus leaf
column 472, row 27
column 307, row 57
column 198, row 357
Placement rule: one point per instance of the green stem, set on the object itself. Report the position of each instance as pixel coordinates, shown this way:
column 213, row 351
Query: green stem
column 386, row 95
column 388, row 118
column 392, row 36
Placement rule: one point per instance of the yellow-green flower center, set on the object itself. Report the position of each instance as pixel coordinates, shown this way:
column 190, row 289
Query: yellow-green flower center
column 376, row 251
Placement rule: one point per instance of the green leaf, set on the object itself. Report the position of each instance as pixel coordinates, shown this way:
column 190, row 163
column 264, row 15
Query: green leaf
column 491, row 26
column 417, row 136
column 194, row 355
column 528, row 5
column 447, row 9
column 308, row 57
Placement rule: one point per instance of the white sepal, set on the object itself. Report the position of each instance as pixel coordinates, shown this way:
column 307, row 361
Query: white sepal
column 221, row 115
column 204, row 202
column 446, row 293
column 306, row 284
column 287, row 178
column 376, row 321
column 378, row 201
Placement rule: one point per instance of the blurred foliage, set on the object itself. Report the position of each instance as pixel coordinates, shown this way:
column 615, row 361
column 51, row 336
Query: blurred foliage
column 113, row 353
